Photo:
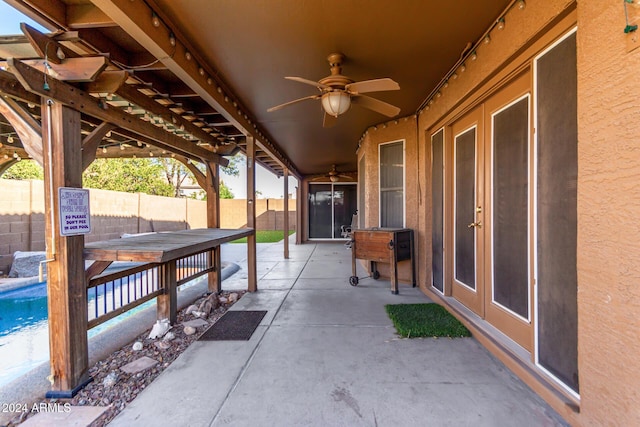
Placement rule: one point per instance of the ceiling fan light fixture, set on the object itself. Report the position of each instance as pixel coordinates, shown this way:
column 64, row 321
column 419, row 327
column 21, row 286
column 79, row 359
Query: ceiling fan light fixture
column 336, row 103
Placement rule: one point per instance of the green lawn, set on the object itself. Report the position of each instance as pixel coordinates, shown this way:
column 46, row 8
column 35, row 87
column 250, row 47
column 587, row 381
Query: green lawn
column 266, row 236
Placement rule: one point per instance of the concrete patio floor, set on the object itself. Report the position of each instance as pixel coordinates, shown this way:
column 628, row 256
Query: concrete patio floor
column 326, row 354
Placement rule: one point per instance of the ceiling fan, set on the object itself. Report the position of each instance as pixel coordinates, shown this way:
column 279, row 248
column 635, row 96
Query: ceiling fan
column 338, row 92
column 333, row 175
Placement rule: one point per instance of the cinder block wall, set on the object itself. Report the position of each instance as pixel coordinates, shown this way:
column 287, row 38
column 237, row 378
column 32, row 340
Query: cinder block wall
column 21, row 219
column 113, row 214
column 269, row 214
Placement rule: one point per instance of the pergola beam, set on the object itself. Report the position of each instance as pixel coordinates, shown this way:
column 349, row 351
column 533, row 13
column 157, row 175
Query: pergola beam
column 136, row 97
column 33, row 80
column 46, row 47
column 87, row 16
column 134, row 18
column 126, row 134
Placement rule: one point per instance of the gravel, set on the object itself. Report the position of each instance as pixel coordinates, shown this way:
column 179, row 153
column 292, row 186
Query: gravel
column 114, row 388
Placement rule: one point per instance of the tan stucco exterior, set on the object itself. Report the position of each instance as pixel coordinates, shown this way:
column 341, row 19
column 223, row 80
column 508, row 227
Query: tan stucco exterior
column 608, row 192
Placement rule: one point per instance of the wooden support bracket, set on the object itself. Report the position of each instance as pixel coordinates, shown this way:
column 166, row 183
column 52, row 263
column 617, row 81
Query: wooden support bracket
column 45, row 46
column 92, row 141
column 28, row 129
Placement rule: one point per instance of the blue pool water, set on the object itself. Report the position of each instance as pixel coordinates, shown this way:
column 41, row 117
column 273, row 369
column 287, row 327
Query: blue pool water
column 24, row 329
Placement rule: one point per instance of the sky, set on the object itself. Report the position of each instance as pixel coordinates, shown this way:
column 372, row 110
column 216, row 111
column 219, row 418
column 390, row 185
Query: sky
column 266, row 183
column 10, row 20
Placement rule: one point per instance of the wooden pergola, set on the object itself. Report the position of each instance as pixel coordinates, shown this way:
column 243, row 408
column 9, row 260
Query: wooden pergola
column 68, row 99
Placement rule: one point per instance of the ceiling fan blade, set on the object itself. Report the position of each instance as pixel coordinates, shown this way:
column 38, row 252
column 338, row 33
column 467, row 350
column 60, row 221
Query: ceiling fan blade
column 375, row 105
column 308, row 82
column 329, row 120
column 376, row 85
column 295, row 101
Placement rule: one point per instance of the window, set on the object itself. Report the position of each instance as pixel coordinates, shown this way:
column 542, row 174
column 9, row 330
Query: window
column 392, row 184
column 361, row 194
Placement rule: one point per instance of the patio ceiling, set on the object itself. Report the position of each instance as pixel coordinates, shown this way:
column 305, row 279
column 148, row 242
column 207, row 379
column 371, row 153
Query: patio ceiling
column 248, row 46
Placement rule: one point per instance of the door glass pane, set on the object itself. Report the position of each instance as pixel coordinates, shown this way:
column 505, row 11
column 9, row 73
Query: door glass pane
column 344, row 205
column 437, row 214
column 511, row 207
column 465, row 200
column 320, row 211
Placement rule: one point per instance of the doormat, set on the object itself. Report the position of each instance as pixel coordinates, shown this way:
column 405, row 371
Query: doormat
column 234, row 326
column 425, row 320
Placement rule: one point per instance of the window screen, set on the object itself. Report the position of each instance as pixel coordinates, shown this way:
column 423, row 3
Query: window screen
column 437, row 213
column 511, row 207
column 361, row 194
column 392, row 185
column 557, row 211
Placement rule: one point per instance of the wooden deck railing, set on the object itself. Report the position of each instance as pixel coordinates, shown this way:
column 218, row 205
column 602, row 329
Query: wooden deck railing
column 112, row 294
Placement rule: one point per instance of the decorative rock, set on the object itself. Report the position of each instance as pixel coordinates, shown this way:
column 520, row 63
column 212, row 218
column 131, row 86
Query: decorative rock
column 191, row 309
column 233, row 297
column 223, row 300
column 137, row 346
column 169, row 336
column 196, row 323
column 139, row 365
column 110, row 379
column 189, row 330
column 162, row 345
column 26, row 264
column 159, row 329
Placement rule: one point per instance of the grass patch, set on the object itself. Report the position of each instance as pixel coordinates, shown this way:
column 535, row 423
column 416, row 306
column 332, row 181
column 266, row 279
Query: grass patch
column 425, row 320
column 266, row 236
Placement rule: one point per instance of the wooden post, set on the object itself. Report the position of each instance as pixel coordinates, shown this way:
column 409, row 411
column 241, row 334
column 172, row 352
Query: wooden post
column 167, row 306
column 251, row 214
column 213, row 221
column 66, row 286
column 285, row 222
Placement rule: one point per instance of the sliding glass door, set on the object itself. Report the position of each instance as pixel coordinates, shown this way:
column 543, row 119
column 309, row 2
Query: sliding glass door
column 331, row 205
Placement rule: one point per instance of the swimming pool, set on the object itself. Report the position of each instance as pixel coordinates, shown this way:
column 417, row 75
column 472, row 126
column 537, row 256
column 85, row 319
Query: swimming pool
column 24, row 329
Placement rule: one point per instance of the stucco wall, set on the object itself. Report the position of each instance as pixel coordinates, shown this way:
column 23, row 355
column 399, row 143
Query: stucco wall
column 608, row 190
column 269, row 213
column 608, row 212
column 403, row 129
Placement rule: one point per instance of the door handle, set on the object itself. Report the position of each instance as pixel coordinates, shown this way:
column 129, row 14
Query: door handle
column 475, row 224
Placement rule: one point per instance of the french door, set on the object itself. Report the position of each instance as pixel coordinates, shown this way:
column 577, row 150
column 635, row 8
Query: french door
column 468, row 235
column 491, row 231
column 504, row 210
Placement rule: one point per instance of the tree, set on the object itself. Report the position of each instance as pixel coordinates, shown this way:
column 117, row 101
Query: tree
column 225, row 192
column 128, row 175
column 175, row 173
column 24, row 169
